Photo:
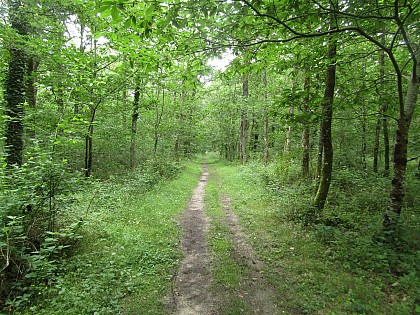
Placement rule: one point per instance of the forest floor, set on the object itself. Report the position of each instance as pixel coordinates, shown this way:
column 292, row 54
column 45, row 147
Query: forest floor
column 195, row 291
column 224, row 246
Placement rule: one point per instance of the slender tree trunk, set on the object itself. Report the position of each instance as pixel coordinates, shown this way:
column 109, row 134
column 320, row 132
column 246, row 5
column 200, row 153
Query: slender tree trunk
column 376, row 145
column 393, row 212
column 89, row 141
column 134, row 119
column 265, row 118
column 384, row 109
column 243, row 141
column 124, row 104
column 320, row 155
column 93, row 107
column 363, row 122
column 158, row 119
column 256, row 136
column 306, row 127
column 15, row 89
column 326, row 124
column 288, row 144
column 363, row 125
column 289, row 128
column 382, row 119
column 89, row 145
column 386, row 140
column 177, row 139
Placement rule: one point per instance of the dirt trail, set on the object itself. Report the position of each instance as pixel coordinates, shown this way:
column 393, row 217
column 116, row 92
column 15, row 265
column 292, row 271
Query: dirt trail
column 192, row 293
column 254, row 288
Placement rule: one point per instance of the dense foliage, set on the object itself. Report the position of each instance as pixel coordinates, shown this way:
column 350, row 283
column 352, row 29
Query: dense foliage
column 324, row 93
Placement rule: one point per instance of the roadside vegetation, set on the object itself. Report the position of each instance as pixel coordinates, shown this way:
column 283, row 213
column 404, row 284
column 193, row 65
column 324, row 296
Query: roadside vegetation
column 341, row 265
column 127, row 248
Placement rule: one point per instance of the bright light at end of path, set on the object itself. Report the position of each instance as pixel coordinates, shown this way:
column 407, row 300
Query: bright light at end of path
column 221, row 63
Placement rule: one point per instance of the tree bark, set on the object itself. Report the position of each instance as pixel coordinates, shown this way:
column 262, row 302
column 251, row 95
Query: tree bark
column 15, row 88
column 376, row 145
column 134, row 119
column 363, row 123
column 384, row 109
column 326, row 124
column 158, row 118
column 288, row 144
column 319, row 155
column 393, row 212
column 306, row 127
column 245, row 94
column 89, row 143
column 382, row 118
column 265, row 118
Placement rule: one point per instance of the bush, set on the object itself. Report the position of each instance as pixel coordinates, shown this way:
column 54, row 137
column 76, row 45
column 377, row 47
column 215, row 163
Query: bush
column 31, row 240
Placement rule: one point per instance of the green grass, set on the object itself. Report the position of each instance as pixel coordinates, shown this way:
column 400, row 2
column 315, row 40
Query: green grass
column 129, row 252
column 126, row 260
column 301, row 268
column 227, row 273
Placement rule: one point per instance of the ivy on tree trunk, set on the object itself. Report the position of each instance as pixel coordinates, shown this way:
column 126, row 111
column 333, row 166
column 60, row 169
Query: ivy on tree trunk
column 15, row 87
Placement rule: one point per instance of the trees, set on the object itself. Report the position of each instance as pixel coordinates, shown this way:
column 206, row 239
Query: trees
column 15, row 83
column 367, row 21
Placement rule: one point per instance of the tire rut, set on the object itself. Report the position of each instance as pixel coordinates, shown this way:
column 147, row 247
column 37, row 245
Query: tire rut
column 192, row 293
column 254, row 288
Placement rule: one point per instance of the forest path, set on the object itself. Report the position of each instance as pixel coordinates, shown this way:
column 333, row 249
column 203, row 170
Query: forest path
column 195, row 290
column 192, row 294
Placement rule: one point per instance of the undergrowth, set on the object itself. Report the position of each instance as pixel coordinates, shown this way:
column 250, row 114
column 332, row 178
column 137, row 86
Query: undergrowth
column 125, row 260
column 341, row 265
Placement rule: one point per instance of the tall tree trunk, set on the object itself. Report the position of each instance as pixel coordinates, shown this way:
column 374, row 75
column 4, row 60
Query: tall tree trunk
column 243, row 141
column 158, row 118
column 15, row 88
column 265, row 118
column 89, row 148
column 124, row 105
column 326, row 124
column 177, row 136
column 376, row 144
column 289, row 128
column 306, row 127
column 384, row 108
column 93, row 107
column 386, row 139
column 382, row 118
column 363, row 122
column 393, row 212
column 89, row 141
column 288, row 144
column 363, row 125
column 320, row 154
column 134, row 119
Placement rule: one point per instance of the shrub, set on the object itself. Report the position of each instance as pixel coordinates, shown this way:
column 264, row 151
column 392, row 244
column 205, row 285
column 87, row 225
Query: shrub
column 31, row 241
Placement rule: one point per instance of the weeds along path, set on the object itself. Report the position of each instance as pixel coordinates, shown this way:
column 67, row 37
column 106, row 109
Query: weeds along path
column 192, row 294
